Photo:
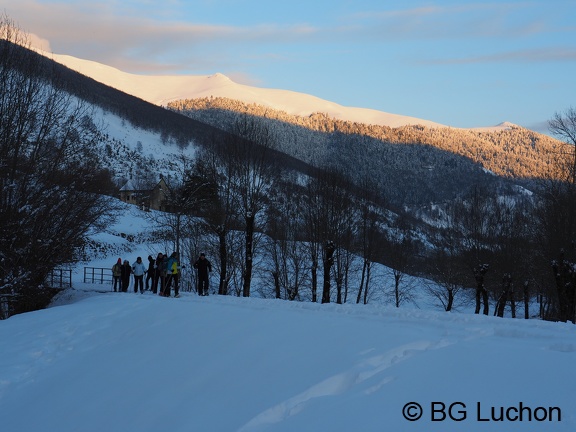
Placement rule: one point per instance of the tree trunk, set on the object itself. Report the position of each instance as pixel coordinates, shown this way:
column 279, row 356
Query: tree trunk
column 485, row 300
column 314, row 280
column 477, row 310
column 346, row 284
column 566, row 288
column 339, row 283
column 481, row 293
column 501, row 305
column 361, row 283
column 397, row 288
column 450, row 300
column 178, row 229
column 339, row 290
column 248, row 262
column 328, row 262
column 338, row 276
column 276, row 277
column 367, row 285
column 512, row 301
column 223, row 285
column 526, row 301
column 293, row 293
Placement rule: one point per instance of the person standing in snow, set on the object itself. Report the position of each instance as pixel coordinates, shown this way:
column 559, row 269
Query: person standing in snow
column 158, row 274
column 150, row 272
column 172, row 275
column 138, row 268
column 125, row 276
column 117, row 274
column 204, row 267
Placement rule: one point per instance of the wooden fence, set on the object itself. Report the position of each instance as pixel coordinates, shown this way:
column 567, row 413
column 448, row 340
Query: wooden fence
column 59, row 279
column 97, row 275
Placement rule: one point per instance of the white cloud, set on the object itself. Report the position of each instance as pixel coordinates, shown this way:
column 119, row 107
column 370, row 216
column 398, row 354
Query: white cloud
column 123, row 35
column 40, row 43
column 552, row 54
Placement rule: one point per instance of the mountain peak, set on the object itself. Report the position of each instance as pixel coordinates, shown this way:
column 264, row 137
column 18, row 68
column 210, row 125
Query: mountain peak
column 160, row 90
column 219, row 76
column 508, row 125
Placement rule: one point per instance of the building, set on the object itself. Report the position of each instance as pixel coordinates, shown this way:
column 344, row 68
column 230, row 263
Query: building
column 145, row 198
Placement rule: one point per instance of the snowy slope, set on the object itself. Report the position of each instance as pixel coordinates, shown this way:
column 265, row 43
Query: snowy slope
column 103, row 361
column 162, row 89
column 130, row 362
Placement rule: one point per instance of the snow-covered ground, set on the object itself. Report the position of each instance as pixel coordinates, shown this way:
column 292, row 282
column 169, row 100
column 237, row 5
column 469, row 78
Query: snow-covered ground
column 103, row 361
column 162, row 89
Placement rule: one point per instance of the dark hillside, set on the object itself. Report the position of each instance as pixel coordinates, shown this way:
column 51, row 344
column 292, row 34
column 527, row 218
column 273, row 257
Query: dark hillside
column 169, row 124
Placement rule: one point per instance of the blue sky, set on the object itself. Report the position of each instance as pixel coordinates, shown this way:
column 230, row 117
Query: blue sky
column 460, row 63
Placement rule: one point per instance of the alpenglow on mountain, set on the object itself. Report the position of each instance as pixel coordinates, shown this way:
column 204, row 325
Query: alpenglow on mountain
column 162, row 89
column 434, row 161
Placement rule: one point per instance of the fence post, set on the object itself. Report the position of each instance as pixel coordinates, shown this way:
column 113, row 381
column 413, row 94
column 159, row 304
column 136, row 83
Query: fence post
column 97, row 274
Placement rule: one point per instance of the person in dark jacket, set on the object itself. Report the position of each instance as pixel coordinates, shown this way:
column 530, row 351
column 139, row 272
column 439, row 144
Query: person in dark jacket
column 117, row 275
column 125, row 277
column 150, row 273
column 204, row 267
column 158, row 274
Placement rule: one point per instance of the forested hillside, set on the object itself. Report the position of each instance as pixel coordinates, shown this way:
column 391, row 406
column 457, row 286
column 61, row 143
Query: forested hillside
column 512, row 152
column 433, row 159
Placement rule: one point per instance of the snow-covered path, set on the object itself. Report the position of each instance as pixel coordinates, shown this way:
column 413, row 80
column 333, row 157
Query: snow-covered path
column 120, row 362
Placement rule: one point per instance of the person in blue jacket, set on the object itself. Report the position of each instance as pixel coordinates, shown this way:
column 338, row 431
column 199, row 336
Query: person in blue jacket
column 172, row 275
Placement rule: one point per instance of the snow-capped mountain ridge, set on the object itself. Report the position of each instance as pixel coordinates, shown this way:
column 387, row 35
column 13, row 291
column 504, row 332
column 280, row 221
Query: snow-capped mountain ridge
column 162, row 89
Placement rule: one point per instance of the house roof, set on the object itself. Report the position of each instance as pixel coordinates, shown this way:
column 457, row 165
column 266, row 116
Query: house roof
column 131, row 186
column 128, row 186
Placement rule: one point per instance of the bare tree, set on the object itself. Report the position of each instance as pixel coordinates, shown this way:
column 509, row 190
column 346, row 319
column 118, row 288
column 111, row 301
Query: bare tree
column 565, row 276
column 328, row 222
column 51, row 180
column 473, row 219
column 183, row 195
column 344, row 265
column 401, row 256
column 254, row 174
column 506, row 294
column 285, row 248
column 514, row 251
column 215, row 167
column 448, row 272
column 563, row 126
column 369, row 236
column 313, row 233
column 344, row 257
column 556, row 216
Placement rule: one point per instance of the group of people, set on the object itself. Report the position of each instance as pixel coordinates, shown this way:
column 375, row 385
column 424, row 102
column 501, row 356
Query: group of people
column 161, row 273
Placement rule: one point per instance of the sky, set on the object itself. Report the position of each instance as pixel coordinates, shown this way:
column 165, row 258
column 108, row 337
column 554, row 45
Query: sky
column 103, row 361
column 458, row 63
